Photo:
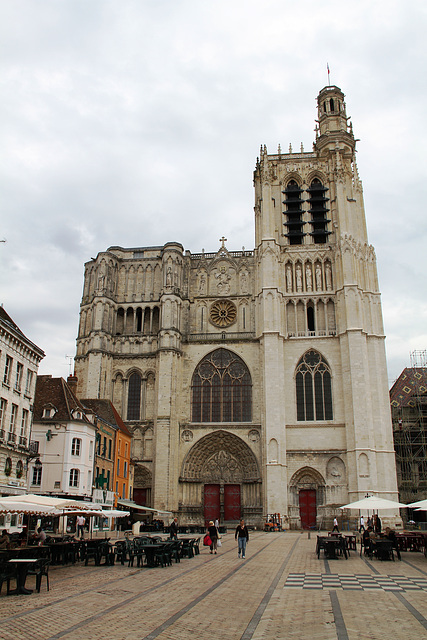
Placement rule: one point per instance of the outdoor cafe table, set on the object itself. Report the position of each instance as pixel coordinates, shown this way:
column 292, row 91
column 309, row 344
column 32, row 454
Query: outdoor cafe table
column 331, row 544
column 63, row 552
column 22, row 565
column 150, row 552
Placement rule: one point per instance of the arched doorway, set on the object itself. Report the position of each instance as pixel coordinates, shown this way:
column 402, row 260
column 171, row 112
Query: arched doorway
column 306, row 493
column 221, row 480
column 142, row 485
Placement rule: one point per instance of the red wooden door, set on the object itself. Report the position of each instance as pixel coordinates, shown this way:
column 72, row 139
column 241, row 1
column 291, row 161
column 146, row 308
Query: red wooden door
column 232, row 509
column 307, row 508
column 212, row 502
column 140, row 496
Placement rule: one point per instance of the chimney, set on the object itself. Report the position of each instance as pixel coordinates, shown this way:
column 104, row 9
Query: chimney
column 72, row 383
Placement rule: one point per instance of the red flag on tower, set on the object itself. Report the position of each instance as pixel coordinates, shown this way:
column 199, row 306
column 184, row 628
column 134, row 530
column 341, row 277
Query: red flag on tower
column 329, row 78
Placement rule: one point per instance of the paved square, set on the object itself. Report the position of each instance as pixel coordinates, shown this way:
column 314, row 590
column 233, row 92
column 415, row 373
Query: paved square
column 281, row 590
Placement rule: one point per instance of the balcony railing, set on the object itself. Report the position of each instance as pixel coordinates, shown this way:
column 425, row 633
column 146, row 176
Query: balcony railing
column 11, row 438
column 312, row 334
column 224, row 336
column 22, row 441
column 2, row 434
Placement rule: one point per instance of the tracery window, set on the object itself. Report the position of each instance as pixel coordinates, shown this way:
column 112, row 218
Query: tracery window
column 134, row 397
column 221, row 389
column 313, row 388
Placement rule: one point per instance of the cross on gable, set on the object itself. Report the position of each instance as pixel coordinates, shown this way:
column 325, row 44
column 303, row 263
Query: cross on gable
column 223, row 240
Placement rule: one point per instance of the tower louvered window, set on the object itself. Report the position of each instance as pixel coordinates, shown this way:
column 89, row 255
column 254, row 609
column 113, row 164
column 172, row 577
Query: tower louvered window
column 221, row 389
column 319, row 211
column 294, row 224
column 313, row 388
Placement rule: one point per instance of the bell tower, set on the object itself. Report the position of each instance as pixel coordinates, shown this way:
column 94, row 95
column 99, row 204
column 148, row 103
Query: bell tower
column 319, row 323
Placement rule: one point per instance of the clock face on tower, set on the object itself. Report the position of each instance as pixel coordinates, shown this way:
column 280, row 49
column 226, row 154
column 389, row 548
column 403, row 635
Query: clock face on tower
column 223, row 313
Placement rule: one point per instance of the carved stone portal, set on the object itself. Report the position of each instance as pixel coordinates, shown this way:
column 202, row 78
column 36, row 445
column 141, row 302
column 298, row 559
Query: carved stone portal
column 221, row 456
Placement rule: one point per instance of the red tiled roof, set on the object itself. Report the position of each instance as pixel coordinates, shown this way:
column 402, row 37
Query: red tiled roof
column 56, row 391
column 106, row 411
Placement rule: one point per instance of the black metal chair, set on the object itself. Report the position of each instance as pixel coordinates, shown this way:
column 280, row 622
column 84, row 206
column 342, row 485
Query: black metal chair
column 40, row 569
column 7, row 573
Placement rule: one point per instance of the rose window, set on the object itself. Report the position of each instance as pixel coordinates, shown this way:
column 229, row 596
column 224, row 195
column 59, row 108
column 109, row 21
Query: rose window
column 223, row 313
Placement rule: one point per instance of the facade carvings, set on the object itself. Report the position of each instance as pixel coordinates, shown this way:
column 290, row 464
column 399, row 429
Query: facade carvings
column 203, row 353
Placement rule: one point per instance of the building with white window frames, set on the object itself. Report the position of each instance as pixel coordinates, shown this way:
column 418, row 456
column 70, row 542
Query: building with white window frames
column 65, row 437
column 19, row 363
column 253, row 381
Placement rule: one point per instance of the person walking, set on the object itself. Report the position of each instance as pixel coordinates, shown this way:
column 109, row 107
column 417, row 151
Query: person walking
column 173, row 529
column 214, row 535
column 81, row 521
column 361, row 524
column 335, row 527
column 242, row 537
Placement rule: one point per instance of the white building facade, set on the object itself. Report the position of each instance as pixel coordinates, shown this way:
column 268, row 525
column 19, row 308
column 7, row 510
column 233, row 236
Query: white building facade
column 65, row 439
column 254, row 382
column 19, row 363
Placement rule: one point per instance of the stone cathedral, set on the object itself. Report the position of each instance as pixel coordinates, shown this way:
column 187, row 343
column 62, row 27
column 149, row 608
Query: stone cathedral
column 254, row 382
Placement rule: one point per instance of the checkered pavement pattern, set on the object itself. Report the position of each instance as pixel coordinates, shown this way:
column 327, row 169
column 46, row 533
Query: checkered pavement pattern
column 358, row 582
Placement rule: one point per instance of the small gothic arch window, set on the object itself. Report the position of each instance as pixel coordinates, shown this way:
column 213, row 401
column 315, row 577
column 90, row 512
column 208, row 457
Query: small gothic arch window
column 311, row 325
column 156, row 320
column 19, row 469
column 313, row 388
column 8, row 467
column 139, row 320
column 134, row 397
column 221, row 389
column 331, row 103
column 120, row 321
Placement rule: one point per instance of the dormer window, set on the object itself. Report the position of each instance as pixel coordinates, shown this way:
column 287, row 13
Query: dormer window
column 77, row 415
column 49, row 412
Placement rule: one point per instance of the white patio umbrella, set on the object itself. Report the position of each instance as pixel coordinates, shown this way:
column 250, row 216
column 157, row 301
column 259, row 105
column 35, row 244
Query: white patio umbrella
column 373, row 503
column 421, row 505
column 55, row 503
column 16, row 507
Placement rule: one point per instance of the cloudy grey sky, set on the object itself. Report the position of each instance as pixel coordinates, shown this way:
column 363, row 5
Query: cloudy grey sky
column 138, row 122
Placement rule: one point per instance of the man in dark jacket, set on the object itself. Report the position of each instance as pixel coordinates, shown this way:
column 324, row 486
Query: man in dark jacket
column 173, row 529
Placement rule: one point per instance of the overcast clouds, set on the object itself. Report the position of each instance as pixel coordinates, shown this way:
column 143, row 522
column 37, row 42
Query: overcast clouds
column 136, row 122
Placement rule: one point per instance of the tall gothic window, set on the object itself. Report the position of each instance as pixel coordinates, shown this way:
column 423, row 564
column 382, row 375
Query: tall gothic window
column 313, row 388
column 134, row 397
column 221, row 389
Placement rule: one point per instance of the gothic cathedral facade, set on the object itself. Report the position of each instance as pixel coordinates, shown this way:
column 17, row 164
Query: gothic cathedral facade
column 254, row 382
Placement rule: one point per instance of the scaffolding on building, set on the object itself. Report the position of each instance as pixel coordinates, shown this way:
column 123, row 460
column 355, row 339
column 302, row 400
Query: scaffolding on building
column 409, row 415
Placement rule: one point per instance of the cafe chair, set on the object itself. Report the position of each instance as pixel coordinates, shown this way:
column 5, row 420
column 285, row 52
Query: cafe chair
column 40, row 569
column 196, row 546
column 384, row 550
column 163, row 556
column 7, row 573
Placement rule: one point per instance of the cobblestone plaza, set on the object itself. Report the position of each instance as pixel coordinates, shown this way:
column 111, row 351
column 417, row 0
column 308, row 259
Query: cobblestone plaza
column 281, row 590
